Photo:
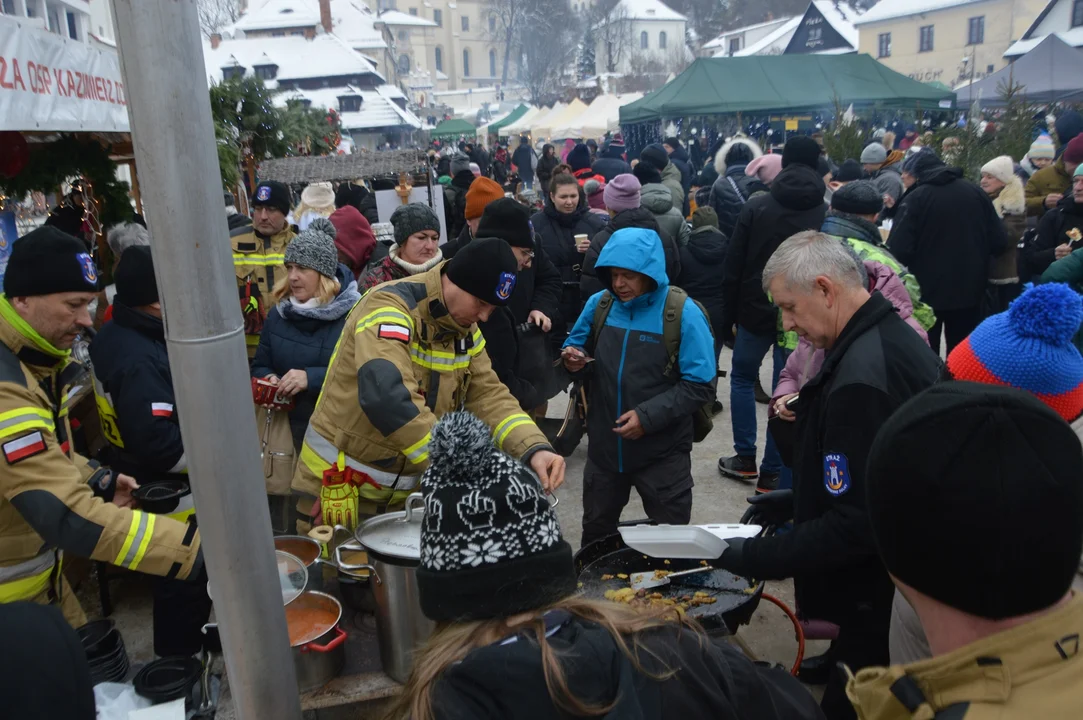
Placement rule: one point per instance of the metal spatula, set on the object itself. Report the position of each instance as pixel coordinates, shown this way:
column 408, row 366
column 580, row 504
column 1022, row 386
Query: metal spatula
column 649, row 579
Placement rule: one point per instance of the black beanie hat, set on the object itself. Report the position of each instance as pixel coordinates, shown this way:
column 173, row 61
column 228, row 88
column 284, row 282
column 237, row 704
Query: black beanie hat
column 486, row 269
column 858, row 198
column 802, row 150
column 135, row 278
column 655, row 155
column 673, row 142
column 490, row 542
column 579, row 157
column 508, row 220
column 350, row 194
column 646, row 173
column 849, row 171
column 975, row 498
column 272, row 194
column 46, row 261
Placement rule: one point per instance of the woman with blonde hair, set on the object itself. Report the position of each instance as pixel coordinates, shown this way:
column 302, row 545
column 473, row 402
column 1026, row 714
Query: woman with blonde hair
column 514, row 642
column 313, row 299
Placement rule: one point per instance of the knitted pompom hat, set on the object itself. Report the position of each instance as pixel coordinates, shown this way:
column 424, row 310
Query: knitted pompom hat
column 1029, row 346
column 490, row 542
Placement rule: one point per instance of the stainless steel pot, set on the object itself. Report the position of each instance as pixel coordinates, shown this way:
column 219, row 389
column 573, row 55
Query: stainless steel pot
column 319, row 659
column 393, row 542
column 308, row 551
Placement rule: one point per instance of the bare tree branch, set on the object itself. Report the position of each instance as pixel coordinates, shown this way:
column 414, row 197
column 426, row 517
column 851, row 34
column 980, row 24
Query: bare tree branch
column 217, row 14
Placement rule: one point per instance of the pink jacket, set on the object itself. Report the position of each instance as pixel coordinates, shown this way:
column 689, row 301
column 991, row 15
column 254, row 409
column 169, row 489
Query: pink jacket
column 805, row 361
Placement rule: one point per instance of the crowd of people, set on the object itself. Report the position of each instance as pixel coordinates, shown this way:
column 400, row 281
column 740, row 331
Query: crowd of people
column 921, row 477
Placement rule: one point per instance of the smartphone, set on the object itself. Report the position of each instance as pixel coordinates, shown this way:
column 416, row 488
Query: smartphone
column 792, row 402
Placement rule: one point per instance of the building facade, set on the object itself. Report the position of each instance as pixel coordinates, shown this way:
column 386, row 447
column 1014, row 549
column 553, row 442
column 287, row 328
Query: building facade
column 945, row 41
column 66, row 18
column 1063, row 17
column 734, row 41
column 638, row 32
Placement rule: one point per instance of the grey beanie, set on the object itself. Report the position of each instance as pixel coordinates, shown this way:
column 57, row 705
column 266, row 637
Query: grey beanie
column 857, row 198
column 459, row 163
column 413, row 218
column 315, row 248
column 874, row 154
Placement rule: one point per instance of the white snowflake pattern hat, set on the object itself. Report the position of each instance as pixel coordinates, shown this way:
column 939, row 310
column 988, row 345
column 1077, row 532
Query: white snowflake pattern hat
column 490, row 543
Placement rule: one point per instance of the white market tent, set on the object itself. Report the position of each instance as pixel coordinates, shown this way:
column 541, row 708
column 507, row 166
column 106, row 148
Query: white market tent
column 522, row 125
column 542, row 119
column 601, row 117
column 544, row 128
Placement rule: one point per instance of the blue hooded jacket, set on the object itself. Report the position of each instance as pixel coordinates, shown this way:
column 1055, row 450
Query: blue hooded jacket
column 630, row 358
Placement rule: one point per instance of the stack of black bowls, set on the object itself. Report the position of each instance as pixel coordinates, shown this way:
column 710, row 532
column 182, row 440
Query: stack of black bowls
column 169, row 678
column 105, row 651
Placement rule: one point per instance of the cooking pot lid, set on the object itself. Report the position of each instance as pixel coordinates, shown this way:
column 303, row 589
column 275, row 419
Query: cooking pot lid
column 396, row 535
column 292, row 576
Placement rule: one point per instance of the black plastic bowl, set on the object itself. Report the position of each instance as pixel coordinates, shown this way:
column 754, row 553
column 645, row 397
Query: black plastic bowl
column 168, row 679
column 161, row 497
column 99, row 638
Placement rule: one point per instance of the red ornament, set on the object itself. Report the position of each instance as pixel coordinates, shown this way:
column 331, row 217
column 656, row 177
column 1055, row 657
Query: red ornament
column 14, row 153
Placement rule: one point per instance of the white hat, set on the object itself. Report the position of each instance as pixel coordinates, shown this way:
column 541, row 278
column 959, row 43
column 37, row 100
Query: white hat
column 318, row 195
column 1002, row 168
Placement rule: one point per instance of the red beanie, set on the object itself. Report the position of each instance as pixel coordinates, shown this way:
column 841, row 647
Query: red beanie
column 1074, row 152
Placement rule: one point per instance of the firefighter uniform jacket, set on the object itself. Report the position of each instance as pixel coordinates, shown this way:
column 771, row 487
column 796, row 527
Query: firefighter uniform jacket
column 47, row 499
column 134, row 389
column 258, row 263
column 401, row 363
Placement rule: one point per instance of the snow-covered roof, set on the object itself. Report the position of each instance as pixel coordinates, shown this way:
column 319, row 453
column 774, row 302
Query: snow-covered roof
column 780, row 36
column 720, row 41
column 274, row 14
column 378, row 109
column 892, row 9
column 645, row 10
column 396, row 18
column 1073, row 37
column 352, row 21
column 842, row 18
column 296, row 57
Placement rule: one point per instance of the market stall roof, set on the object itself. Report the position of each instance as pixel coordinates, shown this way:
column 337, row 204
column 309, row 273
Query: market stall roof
column 542, row 118
column 781, row 83
column 452, row 129
column 522, row 125
column 338, row 168
column 513, row 116
column 601, row 117
column 1051, row 72
column 556, row 120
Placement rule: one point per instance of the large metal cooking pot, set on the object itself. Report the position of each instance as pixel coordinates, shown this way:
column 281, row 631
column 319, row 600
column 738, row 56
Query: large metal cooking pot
column 393, row 542
column 308, row 551
column 317, row 641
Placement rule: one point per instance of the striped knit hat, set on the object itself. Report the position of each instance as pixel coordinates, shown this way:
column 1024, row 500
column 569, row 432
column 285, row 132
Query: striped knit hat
column 1029, row 347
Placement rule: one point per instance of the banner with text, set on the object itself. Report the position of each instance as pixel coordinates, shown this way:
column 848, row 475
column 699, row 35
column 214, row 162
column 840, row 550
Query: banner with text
column 51, row 83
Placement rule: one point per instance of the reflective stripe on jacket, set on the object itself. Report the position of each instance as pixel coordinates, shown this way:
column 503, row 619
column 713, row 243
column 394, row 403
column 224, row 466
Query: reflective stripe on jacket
column 260, row 262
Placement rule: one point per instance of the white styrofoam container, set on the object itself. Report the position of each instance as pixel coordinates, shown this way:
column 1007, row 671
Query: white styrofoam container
column 688, row 542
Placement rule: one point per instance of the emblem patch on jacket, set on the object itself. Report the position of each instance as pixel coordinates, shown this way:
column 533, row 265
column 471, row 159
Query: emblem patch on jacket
column 161, row 409
column 505, row 286
column 390, row 331
column 836, row 473
column 86, row 264
column 24, row 447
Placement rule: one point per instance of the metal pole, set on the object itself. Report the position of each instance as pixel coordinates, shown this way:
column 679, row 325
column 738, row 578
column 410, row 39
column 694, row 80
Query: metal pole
column 162, row 63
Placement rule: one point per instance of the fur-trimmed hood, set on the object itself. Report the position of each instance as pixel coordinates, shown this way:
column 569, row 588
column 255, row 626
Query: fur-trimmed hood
column 720, row 156
column 1011, row 200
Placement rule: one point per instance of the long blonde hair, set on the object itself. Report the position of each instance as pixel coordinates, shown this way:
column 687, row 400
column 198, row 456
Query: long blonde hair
column 326, row 292
column 451, row 642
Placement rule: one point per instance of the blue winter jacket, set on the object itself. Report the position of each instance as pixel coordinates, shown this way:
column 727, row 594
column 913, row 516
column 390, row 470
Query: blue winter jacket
column 630, row 358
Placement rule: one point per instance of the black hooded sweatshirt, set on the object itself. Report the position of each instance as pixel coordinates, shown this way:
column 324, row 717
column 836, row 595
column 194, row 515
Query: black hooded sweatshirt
column 505, row 680
column 795, row 203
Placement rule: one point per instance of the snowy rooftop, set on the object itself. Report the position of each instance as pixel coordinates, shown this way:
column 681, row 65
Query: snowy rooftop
column 891, row 9
column 721, row 39
column 780, row 36
column 396, row 18
column 377, row 107
column 273, row 14
column 842, row 18
column 646, row 10
column 296, row 57
column 352, row 21
column 1073, row 37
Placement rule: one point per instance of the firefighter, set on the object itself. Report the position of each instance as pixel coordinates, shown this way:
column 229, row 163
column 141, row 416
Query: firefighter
column 411, row 352
column 134, row 388
column 51, row 499
column 258, row 256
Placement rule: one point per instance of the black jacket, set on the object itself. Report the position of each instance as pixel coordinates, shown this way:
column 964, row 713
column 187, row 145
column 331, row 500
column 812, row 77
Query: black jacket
column 502, row 344
column 712, row 680
column 236, row 220
column 701, row 268
column 521, row 159
column 680, row 159
column 481, row 156
column 877, row 364
column 368, row 208
column 726, row 201
column 455, row 202
column 546, row 165
column 639, row 217
column 706, row 177
column 795, row 203
column 1052, row 231
column 610, row 164
column 131, row 363
column 945, row 230
column 557, row 232
column 306, row 343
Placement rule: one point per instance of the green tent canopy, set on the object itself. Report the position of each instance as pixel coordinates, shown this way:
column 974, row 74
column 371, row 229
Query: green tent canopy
column 452, row 129
column 781, row 83
column 496, row 127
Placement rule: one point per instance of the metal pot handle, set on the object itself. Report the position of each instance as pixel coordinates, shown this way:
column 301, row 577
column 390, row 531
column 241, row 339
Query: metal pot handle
column 343, row 565
column 340, row 637
column 414, row 501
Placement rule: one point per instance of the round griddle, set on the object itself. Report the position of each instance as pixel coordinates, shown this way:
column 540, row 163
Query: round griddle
column 733, row 606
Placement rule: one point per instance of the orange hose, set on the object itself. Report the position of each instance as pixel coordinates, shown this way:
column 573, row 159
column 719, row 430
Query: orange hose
column 799, row 632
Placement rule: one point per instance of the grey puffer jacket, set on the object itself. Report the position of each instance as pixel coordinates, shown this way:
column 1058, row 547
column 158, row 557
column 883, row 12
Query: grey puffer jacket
column 659, row 200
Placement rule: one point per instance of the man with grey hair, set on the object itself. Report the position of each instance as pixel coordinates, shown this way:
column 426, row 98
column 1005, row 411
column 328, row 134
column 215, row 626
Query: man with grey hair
column 119, row 238
column 874, row 363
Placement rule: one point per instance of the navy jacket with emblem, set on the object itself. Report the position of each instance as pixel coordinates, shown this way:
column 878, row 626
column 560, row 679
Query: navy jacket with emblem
column 630, row 357
column 877, row 364
column 131, row 363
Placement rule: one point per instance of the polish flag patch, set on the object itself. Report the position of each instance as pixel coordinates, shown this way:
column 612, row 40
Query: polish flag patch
column 395, row 332
column 24, row 447
column 161, row 410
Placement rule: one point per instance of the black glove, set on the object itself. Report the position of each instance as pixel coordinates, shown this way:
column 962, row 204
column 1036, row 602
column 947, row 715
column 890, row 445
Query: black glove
column 769, row 509
column 733, row 557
